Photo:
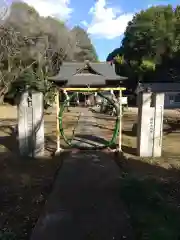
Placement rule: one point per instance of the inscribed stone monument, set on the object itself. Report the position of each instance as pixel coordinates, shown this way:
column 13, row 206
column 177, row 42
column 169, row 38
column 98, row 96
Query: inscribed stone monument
column 150, row 124
column 158, row 124
column 145, row 125
column 31, row 124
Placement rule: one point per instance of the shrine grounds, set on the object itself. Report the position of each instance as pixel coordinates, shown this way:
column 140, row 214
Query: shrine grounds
column 150, row 188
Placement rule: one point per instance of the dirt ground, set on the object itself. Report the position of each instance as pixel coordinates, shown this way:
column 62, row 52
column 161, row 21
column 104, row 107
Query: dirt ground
column 150, row 187
column 25, row 183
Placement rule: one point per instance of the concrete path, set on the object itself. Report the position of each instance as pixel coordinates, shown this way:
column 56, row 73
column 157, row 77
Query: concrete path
column 90, row 134
column 85, row 202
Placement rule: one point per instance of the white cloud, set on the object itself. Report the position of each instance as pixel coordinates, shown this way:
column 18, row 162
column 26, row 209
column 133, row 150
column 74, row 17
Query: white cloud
column 84, row 23
column 107, row 22
column 54, row 8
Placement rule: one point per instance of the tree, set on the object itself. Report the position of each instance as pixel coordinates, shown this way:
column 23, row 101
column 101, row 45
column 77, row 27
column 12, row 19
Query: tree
column 151, row 45
column 114, row 53
column 84, row 49
column 150, row 34
column 10, row 44
column 34, row 46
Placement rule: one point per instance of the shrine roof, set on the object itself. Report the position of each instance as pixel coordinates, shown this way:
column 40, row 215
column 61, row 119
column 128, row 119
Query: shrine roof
column 158, row 87
column 86, row 73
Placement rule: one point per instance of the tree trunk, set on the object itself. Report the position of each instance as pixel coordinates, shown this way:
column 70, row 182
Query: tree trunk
column 3, row 92
column 1, row 99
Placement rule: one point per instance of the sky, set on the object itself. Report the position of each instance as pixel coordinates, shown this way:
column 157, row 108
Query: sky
column 104, row 20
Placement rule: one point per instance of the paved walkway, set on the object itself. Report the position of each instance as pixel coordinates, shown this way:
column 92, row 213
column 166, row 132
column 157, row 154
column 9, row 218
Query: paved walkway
column 90, row 134
column 85, row 202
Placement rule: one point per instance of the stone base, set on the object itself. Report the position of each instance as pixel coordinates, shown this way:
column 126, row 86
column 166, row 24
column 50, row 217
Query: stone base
column 58, row 152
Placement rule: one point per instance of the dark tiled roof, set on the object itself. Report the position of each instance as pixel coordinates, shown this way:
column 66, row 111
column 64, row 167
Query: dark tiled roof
column 69, row 72
column 106, row 70
column 159, row 87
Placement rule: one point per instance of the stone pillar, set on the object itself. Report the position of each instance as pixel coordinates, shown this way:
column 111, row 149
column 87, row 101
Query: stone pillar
column 31, row 124
column 158, row 124
column 24, row 125
column 38, row 124
column 145, row 129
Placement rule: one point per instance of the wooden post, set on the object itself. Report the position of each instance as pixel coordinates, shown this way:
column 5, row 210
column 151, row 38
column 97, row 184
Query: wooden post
column 120, row 122
column 58, row 148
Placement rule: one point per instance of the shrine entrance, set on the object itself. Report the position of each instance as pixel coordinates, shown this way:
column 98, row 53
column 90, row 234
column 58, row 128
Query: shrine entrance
column 93, row 81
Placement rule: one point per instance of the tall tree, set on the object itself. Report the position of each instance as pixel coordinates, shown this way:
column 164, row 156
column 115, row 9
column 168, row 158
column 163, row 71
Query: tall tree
column 31, row 44
column 114, row 53
column 151, row 44
column 84, row 49
column 150, row 34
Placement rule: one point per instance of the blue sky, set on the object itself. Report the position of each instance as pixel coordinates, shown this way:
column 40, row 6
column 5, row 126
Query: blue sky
column 104, row 20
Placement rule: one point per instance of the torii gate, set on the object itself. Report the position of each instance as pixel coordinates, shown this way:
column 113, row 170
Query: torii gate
column 87, row 77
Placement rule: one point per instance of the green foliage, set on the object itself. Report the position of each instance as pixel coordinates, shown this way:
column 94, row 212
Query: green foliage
column 114, row 53
column 153, row 210
column 153, row 35
column 49, row 93
column 149, row 34
column 7, row 235
column 119, row 59
column 32, row 80
column 151, row 46
column 147, row 66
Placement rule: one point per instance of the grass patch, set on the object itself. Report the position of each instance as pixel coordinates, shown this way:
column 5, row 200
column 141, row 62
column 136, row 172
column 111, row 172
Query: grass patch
column 153, row 209
column 7, row 235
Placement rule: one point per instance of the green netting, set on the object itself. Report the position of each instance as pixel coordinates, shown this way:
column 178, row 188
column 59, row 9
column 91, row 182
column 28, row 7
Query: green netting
column 68, row 141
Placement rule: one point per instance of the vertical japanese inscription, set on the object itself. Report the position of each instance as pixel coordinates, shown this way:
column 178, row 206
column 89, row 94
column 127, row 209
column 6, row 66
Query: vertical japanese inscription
column 151, row 125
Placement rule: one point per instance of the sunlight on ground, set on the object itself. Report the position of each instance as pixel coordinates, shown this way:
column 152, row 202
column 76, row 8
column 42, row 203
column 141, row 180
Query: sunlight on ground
column 149, row 187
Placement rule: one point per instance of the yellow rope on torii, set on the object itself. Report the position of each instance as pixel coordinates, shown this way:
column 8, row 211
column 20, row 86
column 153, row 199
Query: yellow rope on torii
column 88, row 89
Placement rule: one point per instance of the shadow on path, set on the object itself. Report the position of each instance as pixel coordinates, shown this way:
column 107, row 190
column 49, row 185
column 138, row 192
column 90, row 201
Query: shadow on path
column 85, row 202
column 91, row 138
